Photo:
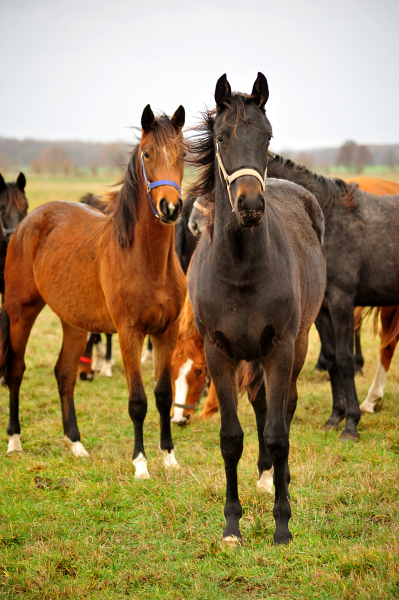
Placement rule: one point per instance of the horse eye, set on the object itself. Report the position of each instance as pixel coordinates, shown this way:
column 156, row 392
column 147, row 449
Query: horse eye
column 199, row 372
column 146, row 155
column 219, row 139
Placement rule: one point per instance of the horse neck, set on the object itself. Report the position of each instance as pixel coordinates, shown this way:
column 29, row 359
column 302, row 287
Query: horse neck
column 153, row 239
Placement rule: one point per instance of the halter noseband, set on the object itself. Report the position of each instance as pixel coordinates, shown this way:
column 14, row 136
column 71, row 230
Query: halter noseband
column 155, row 184
column 194, row 406
column 240, row 173
column 199, row 207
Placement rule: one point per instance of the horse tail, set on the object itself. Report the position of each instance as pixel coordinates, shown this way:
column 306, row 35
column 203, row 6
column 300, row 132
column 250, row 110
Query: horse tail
column 5, row 345
column 364, row 312
column 250, row 377
column 393, row 331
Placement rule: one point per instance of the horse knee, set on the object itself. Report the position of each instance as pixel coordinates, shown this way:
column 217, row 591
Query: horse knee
column 277, row 444
column 231, row 445
column 138, row 406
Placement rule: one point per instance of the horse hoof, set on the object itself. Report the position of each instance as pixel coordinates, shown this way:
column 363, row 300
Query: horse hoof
column 232, row 540
column 76, row 448
column 140, row 464
column 350, row 437
column 14, row 444
column 282, row 538
column 265, row 482
column 169, row 460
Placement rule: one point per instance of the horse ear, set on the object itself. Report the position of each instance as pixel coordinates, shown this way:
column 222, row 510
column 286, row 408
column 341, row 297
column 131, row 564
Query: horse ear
column 222, row 92
column 2, row 183
column 147, row 119
column 178, row 118
column 261, row 90
column 21, row 182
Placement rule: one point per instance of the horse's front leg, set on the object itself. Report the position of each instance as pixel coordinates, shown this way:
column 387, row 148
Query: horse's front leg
column 131, row 343
column 163, row 349
column 223, row 372
column 278, row 377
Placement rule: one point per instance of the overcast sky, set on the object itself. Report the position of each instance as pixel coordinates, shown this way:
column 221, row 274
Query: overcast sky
column 85, row 69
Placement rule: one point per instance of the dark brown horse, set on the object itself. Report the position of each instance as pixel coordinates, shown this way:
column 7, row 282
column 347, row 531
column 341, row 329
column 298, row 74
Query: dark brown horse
column 256, row 284
column 116, row 273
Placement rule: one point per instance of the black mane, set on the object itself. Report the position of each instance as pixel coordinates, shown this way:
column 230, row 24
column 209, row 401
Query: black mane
column 328, row 190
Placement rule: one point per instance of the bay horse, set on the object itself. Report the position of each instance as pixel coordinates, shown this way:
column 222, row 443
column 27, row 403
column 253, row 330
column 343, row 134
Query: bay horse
column 13, row 208
column 256, row 283
column 362, row 253
column 115, row 273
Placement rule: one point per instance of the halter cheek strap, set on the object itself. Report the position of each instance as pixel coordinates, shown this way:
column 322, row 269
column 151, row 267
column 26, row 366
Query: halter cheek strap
column 199, row 207
column 240, row 173
column 155, row 184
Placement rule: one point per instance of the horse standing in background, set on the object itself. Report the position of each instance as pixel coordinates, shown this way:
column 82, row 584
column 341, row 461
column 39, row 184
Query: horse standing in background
column 116, row 273
column 13, row 208
column 362, row 252
column 256, row 283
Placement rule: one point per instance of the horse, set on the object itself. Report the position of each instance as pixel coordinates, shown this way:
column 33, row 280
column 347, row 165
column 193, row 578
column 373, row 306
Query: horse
column 362, row 262
column 13, row 208
column 256, row 284
column 115, row 273
column 197, row 220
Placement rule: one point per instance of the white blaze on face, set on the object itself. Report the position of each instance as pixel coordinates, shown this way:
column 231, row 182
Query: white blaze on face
column 181, row 390
column 376, row 391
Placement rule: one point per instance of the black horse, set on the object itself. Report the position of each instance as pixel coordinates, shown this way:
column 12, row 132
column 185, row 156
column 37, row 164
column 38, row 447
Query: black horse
column 256, row 284
column 185, row 241
column 13, row 208
column 362, row 253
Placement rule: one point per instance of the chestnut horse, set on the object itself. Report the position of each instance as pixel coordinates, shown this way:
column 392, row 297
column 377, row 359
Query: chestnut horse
column 114, row 274
column 256, row 283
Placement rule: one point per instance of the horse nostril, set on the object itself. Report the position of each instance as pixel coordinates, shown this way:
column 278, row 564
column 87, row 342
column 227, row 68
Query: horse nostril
column 163, row 205
column 240, row 203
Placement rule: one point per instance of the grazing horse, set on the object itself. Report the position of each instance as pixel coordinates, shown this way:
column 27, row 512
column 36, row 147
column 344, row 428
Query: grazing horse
column 362, row 253
column 116, row 273
column 256, row 283
column 13, row 208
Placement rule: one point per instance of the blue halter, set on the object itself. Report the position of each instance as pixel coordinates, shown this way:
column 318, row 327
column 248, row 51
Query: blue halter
column 155, row 184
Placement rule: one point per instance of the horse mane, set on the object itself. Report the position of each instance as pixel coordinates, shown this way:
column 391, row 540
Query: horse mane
column 328, row 190
column 13, row 196
column 123, row 204
column 100, row 203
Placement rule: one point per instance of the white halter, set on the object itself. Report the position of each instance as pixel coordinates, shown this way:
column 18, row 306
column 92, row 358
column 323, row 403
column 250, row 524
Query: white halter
column 240, row 173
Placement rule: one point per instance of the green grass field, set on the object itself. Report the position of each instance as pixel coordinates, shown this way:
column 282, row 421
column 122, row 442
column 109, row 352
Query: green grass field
column 87, row 529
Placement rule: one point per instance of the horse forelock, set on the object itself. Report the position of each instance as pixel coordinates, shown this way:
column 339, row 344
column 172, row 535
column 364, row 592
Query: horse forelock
column 11, row 197
column 328, row 190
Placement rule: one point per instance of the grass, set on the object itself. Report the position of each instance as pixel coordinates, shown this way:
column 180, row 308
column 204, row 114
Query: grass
column 85, row 528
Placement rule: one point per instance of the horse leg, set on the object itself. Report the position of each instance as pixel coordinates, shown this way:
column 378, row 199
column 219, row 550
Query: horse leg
column 211, row 405
column 108, row 361
column 85, row 371
column 341, row 311
column 147, row 355
column 279, row 370
column 359, row 360
column 98, row 352
column 21, row 323
column 131, row 342
column 321, row 364
column 326, row 331
column 163, row 349
column 265, row 463
column 73, row 344
column 223, row 372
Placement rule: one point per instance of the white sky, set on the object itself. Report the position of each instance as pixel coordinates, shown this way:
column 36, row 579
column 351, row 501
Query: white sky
column 85, row 69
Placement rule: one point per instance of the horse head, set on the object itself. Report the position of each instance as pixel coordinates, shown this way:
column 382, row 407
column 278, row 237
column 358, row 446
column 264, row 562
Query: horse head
column 241, row 135
column 13, row 205
column 161, row 152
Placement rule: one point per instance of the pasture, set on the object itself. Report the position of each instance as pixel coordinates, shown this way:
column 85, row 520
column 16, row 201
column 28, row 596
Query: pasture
column 85, row 528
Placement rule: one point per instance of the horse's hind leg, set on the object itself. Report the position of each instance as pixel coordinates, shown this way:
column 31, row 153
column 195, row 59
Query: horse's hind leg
column 21, row 323
column 265, row 464
column 163, row 350
column 108, row 361
column 73, row 345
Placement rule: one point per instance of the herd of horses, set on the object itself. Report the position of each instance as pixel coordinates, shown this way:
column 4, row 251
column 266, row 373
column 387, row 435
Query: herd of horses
column 269, row 248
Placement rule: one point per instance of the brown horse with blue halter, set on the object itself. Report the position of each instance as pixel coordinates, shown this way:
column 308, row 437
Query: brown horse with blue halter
column 113, row 273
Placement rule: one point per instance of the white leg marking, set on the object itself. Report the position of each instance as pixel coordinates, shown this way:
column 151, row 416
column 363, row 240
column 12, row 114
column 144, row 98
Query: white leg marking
column 376, row 390
column 265, row 481
column 169, row 460
column 140, row 464
column 147, row 356
column 181, row 391
column 231, row 539
column 14, row 443
column 106, row 368
column 76, row 448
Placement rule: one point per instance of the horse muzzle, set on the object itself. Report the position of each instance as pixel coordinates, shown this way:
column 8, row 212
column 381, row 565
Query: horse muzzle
column 169, row 212
column 250, row 209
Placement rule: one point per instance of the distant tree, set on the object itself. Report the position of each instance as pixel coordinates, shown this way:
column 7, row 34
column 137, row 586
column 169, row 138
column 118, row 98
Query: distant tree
column 93, row 166
column 305, row 159
column 36, row 165
column 391, row 158
column 5, row 162
column 55, row 160
column 113, row 155
column 354, row 157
